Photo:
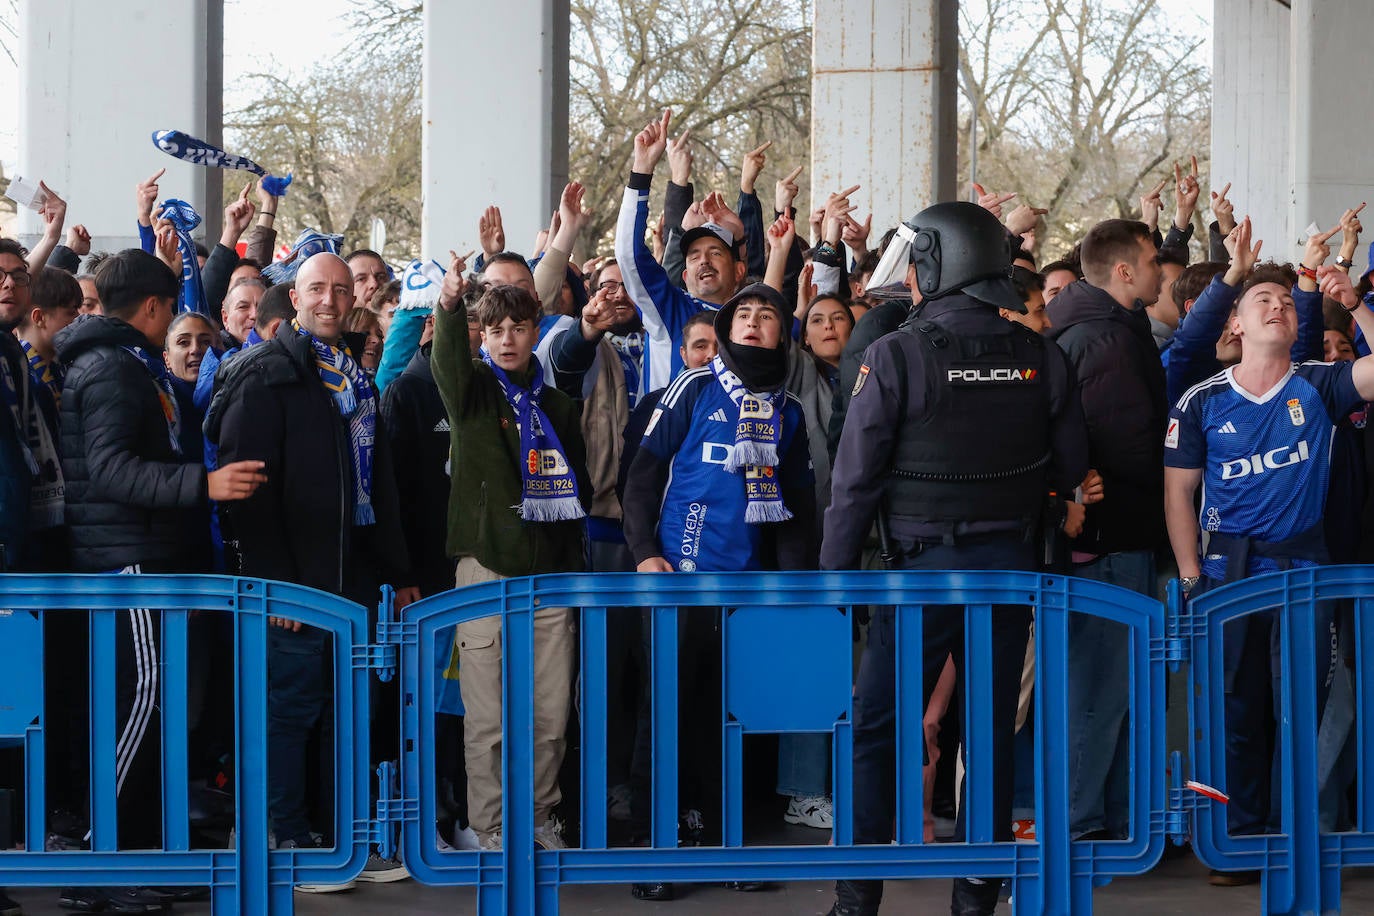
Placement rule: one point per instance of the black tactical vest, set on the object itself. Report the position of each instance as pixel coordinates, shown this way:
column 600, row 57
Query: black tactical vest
column 981, row 449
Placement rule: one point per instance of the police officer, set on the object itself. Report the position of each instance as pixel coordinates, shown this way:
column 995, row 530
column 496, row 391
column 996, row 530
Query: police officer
column 959, row 423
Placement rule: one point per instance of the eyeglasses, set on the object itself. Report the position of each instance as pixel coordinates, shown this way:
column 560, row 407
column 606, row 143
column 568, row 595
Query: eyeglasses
column 610, row 286
column 20, row 276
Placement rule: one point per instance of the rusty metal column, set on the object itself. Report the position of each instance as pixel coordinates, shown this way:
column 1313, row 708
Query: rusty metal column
column 883, row 104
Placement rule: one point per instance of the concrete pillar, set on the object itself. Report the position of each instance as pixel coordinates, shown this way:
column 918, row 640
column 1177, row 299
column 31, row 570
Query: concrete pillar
column 1250, row 93
column 1287, row 122
column 96, row 79
column 495, row 124
column 883, row 104
column 1331, row 136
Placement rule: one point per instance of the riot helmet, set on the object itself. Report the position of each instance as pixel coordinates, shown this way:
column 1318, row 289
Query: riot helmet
column 956, row 247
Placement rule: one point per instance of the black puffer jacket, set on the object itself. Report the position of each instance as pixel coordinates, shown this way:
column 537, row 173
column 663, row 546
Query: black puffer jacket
column 127, row 489
column 1121, row 383
column 417, row 424
column 269, row 405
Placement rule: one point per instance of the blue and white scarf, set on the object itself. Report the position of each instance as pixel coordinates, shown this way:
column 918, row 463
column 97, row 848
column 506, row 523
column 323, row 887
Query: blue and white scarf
column 308, row 243
column 197, row 152
column 37, row 445
column 356, row 401
column 185, row 219
column 630, row 348
column 758, row 430
column 166, row 393
column 548, row 482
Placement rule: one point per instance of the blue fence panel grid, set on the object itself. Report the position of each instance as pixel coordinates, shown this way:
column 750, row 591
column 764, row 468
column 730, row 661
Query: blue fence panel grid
column 1300, row 865
column 1051, row 876
column 250, row 878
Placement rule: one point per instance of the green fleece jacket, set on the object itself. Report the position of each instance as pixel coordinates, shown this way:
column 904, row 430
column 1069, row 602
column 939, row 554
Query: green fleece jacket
column 484, row 460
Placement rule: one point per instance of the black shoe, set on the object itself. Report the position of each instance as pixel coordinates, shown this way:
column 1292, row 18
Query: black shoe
column 975, row 899
column 857, row 898
column 651, row 891
column 1232, row 878
column 748, row 887
column 8, row 907
column 111, row 900
column 181, row 894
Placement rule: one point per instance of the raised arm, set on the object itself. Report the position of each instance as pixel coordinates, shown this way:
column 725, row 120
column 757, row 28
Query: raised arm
column 451, row 356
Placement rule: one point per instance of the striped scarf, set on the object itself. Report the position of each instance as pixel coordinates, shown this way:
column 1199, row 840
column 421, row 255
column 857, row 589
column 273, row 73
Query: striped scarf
column 46, row 372
column 356, row 401
column 36, row 443
column 166, row 393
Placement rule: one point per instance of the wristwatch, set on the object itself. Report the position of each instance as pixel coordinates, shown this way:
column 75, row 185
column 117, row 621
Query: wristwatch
column 1188, row 583
column 1344, row 263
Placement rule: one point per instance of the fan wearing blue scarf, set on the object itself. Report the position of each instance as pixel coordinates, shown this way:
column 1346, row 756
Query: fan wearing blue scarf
column 516, row 508
column 725, row 456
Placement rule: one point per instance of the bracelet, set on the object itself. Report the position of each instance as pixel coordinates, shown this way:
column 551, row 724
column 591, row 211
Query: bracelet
column 1305, row 271
column 1351, row 310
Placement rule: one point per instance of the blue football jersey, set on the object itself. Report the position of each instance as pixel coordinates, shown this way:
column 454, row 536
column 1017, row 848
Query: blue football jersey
column 1266, row 460
column 701, row 522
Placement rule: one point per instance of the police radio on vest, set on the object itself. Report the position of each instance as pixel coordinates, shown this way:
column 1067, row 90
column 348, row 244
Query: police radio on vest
column 1256, row 464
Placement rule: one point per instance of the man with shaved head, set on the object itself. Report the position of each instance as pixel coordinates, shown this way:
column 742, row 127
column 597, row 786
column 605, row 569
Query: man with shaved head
column 326, row 518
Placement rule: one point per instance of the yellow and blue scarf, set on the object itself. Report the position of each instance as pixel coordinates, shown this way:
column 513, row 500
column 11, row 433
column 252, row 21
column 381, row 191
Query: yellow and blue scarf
column 356, row 401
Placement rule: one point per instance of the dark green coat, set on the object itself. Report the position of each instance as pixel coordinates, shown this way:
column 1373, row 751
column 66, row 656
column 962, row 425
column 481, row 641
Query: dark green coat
column 484, row 460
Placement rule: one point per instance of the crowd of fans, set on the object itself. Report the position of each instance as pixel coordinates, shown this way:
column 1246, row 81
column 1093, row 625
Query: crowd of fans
column 677, row 406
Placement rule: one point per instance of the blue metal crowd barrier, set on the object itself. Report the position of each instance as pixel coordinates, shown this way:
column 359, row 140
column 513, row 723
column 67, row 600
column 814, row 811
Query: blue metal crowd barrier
column 768, row 619
column 1301, row 864
column 250, row 878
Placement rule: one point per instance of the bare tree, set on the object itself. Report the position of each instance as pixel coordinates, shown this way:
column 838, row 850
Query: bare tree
column 351, row 134
column 1081, row 104
column 735, row 72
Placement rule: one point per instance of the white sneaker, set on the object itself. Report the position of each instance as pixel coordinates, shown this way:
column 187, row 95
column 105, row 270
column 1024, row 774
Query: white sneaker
column 550, row 835
column 811, row 811
column 491, row 842
column 442, row 844
column 325, row 888
column 466, row 838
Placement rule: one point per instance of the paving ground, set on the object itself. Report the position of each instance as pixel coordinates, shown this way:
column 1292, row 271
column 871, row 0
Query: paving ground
column 1175, row 887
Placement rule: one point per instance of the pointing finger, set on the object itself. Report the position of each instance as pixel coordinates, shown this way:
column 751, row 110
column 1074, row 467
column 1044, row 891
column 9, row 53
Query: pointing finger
column 847, row 191
column 1224, row 191
column 1322, row 237
column 1178, row 173
column 759, row 150
column 978, row 189
column 1194, row 166
column 792, row 175
column 160, row 172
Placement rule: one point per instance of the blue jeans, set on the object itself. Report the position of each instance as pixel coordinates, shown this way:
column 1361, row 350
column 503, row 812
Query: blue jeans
column 804, row 765
column 1099, row 702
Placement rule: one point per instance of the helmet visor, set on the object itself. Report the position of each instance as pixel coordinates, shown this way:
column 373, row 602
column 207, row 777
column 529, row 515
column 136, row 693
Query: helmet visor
column 891, row 269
